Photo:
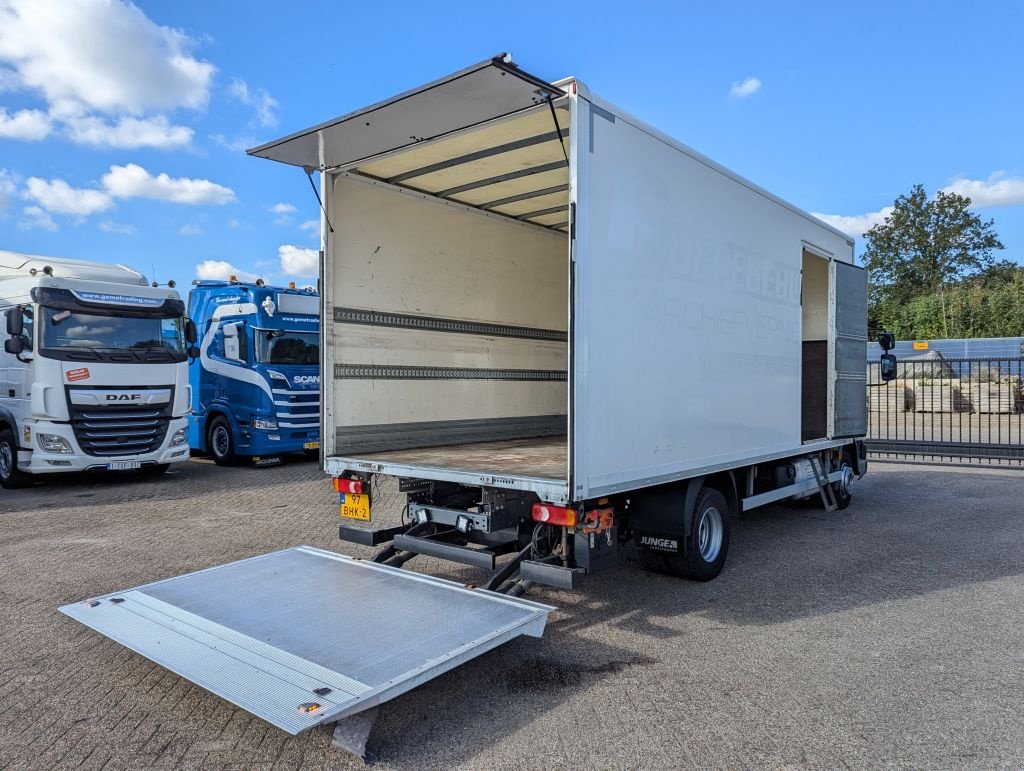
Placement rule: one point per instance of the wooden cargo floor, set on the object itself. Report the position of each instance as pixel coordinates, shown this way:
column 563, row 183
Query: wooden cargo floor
column 541, row 458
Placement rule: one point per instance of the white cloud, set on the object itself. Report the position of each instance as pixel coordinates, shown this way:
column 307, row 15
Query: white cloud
column 212, row 270
column 190, row 230
column 998, row 190
column 133, row 181
column 120, row 228
column 58, row 196
column 236, row 145
column 8, row 189
column 91, row 58
column 102, row 56
column 296, row 261
column 311, row 226
column 257, row 98
column 8, row 79
column 282, row 208
column 34, row 217
column 32, row 125
column 126, row 132
column 855, row 224
column 741, row 89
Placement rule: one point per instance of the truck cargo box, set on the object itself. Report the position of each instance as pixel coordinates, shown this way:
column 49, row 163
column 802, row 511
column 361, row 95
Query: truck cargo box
column 525, row 286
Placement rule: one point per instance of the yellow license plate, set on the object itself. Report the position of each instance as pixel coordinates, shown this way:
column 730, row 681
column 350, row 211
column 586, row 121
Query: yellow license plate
column 355, row 506
column 311, row 446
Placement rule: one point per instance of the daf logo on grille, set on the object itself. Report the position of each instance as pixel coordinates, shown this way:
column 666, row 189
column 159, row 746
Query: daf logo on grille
column 124, row 397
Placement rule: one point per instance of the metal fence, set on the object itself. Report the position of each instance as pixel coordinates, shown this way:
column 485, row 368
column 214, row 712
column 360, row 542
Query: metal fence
column 967, row 410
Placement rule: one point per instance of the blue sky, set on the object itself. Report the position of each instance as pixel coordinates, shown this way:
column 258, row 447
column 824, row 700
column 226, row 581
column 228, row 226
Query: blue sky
column 122, row 127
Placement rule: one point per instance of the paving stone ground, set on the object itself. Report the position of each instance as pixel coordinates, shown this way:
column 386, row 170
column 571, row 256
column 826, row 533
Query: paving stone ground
column 888, row 634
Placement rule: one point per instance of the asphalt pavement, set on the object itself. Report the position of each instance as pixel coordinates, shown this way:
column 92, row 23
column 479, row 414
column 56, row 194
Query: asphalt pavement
column 888, row 634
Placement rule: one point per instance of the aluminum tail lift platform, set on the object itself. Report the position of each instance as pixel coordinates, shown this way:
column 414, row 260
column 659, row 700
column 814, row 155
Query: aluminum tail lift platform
column 303, row 637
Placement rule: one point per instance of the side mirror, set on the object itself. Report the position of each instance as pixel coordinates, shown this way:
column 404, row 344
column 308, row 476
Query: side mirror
column 887, row 367
column 14, row 345
column 193, row 352
column 887, row 340
column 15, row 322
column 191, row 333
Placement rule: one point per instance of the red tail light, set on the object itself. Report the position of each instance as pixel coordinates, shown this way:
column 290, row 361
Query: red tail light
column 554, row 515
column 342, row 485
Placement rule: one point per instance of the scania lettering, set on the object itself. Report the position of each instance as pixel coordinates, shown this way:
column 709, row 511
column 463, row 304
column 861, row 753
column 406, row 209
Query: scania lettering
column 256, row 384
column 94, row 373
column 560, row 334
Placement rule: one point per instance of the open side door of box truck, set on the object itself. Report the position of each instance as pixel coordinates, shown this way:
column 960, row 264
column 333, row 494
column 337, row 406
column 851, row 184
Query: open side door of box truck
column 850, row 334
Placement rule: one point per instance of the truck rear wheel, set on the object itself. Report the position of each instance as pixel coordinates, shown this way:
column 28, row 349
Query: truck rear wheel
column 843, row 489
column 10, row 477
column 222, row 443
column 707, row 545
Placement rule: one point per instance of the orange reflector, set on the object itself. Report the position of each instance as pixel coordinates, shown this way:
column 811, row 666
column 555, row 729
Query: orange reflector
column 342, row 485
column 309, row 707
column 554, row 515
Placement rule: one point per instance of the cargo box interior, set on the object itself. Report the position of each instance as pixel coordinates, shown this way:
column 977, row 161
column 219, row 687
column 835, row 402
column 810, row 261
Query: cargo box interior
column 814, row 336
column 451, row 300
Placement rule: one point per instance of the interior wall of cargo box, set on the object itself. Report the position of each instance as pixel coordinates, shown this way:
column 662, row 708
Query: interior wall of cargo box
column 449, row 325
column 814, row 342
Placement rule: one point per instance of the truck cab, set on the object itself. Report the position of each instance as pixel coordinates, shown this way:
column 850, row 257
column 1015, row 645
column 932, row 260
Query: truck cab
column 256, row 382
column 94, row 372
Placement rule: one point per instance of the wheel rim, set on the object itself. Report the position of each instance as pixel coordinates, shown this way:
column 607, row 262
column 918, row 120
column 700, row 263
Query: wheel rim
column 221, row 441
column 845, row 483
column 6, row 461
column 709, row 534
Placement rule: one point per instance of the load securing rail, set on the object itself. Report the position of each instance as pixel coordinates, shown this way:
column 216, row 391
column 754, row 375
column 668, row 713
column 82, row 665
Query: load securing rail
column 302, row 637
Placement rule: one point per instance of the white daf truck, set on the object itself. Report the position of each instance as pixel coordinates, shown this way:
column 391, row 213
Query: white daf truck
column 560, row 333
column 94, row 371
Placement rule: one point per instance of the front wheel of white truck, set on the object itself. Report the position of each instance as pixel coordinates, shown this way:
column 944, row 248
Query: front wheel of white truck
column 10, row 477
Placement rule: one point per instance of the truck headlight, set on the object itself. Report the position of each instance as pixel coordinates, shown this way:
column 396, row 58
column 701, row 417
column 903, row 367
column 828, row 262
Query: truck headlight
column 54, row 443
column 179, row 437
column 268, row 425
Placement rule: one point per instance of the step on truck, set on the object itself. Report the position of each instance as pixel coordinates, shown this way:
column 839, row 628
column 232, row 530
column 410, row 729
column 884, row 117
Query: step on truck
column 561, row 333
column 256, row 382
column 94, row 371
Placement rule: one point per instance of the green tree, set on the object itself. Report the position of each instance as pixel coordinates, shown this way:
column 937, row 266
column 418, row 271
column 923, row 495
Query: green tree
column 924, row 247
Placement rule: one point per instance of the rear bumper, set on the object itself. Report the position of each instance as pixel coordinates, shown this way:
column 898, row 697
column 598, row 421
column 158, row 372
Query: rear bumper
column 38, row 461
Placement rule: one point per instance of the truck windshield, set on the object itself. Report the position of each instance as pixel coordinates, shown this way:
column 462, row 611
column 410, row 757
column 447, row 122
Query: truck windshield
column 280, row 347
column 78, row 336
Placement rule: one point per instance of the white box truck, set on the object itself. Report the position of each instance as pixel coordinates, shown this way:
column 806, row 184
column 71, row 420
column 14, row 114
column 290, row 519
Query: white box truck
column 560, row 331
column 94, row 372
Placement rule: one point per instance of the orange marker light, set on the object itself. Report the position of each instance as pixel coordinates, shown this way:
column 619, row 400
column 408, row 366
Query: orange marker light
column 342, row 485
column 554, row 515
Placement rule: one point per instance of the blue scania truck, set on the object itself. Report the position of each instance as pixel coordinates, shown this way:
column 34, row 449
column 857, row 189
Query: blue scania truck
column 256, row 383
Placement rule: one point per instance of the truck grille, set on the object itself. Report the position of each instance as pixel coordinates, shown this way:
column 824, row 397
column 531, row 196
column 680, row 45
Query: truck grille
column 119, row 430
